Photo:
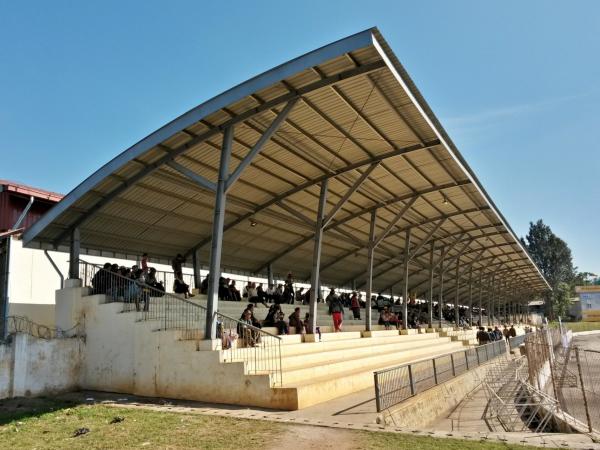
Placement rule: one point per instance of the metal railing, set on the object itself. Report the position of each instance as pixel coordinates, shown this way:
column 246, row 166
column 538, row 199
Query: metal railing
column 170, row 311
column 259, row 349
column 397, row 384
column 514, row 342
column 240, row 342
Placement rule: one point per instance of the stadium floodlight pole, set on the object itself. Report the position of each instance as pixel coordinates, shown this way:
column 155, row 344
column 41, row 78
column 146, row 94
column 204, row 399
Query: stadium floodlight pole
column 456, row 297
column 405, row 292
column 441, row 287
column 316, row 262
column 216, row 245
column 370, row 251
column 431, row 275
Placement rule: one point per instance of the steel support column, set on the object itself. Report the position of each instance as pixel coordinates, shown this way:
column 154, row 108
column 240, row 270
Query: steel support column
column 74, row 254
column 456, row 297
column 216, row 245
column 371, row 251
column 471, row 297
column 431, row 274
column 316, row 262
column 270, row 274
column 480, row 297
column 196, row 265
column 405, row 292
column 441, row 287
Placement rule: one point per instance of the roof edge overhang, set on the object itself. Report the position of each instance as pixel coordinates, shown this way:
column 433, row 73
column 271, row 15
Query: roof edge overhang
column 421, row 104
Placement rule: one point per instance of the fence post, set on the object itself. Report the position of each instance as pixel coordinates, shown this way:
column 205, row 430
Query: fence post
column 377, row 399
column 467, row 360
column 434, row 372
column 410, row 378
column 452, row 363
column 477, row 354
column 487, row 356
column 585, row 403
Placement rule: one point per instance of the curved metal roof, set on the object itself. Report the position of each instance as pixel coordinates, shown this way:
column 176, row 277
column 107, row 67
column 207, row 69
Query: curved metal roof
column 356, row 119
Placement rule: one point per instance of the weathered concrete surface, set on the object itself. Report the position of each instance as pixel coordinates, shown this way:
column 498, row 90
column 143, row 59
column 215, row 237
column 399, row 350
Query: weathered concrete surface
column 30, row 366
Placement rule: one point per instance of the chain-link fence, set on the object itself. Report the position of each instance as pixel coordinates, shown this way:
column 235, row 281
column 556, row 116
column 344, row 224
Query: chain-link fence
column 566, row 373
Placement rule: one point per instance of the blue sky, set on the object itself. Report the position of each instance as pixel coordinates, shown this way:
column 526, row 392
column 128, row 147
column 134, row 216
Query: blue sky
column 516, row 85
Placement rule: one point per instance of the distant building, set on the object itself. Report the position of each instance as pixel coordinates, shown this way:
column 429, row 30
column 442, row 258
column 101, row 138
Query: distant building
column 589, row 297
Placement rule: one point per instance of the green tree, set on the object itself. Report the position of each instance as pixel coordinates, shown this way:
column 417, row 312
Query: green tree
column 561, row 299
column 553, row 256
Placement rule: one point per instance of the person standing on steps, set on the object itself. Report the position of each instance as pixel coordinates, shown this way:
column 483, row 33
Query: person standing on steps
column 336, row 309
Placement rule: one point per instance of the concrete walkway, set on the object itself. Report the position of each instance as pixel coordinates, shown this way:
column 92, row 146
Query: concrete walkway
column 356, row 411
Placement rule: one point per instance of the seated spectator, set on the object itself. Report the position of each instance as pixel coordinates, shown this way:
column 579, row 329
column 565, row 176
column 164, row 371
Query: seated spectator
column 224, row 292
column 512, row 332
column 253, row 295
column 234, row 292
column 278, row 297
column 306, row 322
column 255, row 322
column 101, row 280
column 299, row 295
column 275, row 318
column 295, row 321
column 271, row 293
column 263, row 297
column 490, row 334
column 204, row 285
column 157, row 286
column 177, row 265
column 248, row 336
column 384, row 318
column 179, row 287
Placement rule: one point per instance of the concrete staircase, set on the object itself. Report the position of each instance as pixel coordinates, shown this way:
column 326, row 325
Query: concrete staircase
column 170, row 363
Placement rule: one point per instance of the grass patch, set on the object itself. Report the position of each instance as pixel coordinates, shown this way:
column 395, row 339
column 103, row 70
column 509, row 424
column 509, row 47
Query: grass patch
column 54, row 429
column 377, row 441
column 51, row 424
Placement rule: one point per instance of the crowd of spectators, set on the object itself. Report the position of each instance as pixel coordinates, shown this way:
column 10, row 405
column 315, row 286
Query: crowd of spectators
column 490, row 335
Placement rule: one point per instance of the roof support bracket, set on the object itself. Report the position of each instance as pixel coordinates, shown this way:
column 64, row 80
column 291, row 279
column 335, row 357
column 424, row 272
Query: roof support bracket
column 198, row 179
column 350, row 191
column 269, row 132
column 394, row 221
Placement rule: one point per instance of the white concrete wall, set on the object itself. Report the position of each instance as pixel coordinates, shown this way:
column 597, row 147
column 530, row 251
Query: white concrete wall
column 6, row 365
column 30, row 366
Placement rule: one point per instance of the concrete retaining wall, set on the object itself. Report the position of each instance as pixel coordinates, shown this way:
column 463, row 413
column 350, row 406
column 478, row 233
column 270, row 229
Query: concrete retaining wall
column 426, row 407
column 30, row 366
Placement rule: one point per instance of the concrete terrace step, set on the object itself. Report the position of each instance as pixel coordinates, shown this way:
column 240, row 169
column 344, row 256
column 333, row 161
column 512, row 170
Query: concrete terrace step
column 326, row 387
column 343, row 344
column 339, row 368
column 293, row 362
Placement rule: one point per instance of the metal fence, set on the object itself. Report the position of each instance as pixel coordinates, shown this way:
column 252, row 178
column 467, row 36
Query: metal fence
column 240, row 342
column 19, row 324
column 568, row 374
column 514, row 342
column 397, row 384
column 260, row 350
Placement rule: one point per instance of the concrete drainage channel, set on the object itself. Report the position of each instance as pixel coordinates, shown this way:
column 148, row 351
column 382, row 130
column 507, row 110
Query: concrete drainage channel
column 491, row 398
